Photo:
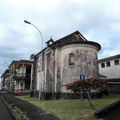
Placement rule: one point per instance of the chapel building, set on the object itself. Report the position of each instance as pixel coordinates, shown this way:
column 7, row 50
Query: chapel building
column 63, row 61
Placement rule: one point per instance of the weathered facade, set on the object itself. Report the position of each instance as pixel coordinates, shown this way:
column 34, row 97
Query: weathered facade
column 64, row 61
column 20, row 76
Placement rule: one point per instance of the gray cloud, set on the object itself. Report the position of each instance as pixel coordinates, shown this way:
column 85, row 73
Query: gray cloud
column 98, row 21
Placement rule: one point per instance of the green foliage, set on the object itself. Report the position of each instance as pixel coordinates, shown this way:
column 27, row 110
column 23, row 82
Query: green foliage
column 31, row 56
column 85, row 85
column 7, row 71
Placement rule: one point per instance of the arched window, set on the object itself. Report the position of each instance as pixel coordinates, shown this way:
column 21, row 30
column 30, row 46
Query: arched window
column 71, row 59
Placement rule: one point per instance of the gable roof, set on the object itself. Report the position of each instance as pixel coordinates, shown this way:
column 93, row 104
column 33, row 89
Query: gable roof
column 68, row 39
column 82, row 38
column 75, row 37
column 109, row 58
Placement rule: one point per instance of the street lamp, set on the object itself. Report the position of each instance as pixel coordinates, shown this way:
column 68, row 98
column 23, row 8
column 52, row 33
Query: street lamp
column 27, row 22
column 5, row 62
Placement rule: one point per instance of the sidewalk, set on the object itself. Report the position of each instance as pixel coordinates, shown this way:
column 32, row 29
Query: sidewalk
column 31, row 111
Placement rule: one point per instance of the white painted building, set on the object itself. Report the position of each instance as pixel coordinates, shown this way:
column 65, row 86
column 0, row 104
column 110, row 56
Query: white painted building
column 110, row 67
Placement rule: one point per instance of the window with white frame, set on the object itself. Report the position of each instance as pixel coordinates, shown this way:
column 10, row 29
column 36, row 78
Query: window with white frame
column 102, row 65
column 71, row 59
column 108, row 64
column 116, row 62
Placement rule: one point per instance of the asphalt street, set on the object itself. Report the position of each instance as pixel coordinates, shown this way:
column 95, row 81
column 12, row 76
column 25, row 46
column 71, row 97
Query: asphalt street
column 30, row 111
column 5, row 114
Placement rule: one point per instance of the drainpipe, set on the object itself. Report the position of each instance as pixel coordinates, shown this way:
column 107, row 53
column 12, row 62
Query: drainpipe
column 23, row 75
column 39, row 92
column 31, row 83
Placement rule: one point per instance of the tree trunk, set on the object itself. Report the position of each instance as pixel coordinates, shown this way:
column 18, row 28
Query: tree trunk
column 90, row 102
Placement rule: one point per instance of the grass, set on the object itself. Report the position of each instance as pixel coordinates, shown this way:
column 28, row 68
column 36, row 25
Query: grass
column 16, row 113
column 21, row 94
column 72, row 109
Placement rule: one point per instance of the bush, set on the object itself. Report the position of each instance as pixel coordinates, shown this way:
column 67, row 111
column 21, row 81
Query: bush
column 86, row 86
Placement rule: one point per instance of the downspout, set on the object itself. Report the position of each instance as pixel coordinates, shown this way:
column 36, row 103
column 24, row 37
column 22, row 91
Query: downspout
column 53, row 81
column 34, row 77
column 23, row 75
column 31, row 83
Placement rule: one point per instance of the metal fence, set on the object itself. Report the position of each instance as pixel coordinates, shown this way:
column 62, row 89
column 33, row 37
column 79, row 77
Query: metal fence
column 21, row 75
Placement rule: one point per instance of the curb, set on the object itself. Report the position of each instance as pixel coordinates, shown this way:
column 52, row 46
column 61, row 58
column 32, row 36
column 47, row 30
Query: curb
column 102, row 112
column 12, row 108
column 23, row 110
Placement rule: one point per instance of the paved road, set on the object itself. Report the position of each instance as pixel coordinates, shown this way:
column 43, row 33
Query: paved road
column 31, row 111
column 5, row 114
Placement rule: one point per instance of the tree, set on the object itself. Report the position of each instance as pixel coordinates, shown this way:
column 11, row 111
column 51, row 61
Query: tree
column 31, row 57
column 7, row 81
column 6, row 71
column 9, row 71
column 86, row 86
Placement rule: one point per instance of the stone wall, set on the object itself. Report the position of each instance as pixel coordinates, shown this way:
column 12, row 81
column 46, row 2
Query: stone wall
column 113, row 86
column 53, row 68
column 44, row 71
column 85, row 63
column 56, row 96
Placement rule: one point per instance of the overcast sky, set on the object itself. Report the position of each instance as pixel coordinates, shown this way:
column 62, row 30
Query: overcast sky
column 97, row 20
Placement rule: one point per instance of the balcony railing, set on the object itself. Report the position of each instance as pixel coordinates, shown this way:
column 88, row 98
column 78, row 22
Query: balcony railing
column 6, row 75
column 21, row 75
